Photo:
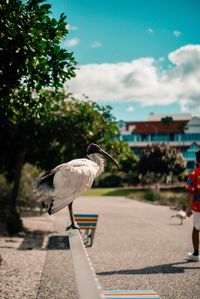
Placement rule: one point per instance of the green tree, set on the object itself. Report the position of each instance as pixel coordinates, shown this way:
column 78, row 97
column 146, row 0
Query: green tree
column 26, row 197
column 161, row 159
column 68, row 126
column 167, row 121
column 31, row 59
column 127, row 161
column 30, row 52
column 58, row 130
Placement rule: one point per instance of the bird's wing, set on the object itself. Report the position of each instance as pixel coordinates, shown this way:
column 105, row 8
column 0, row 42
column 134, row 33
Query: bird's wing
column 70, row 181
column 181, row 213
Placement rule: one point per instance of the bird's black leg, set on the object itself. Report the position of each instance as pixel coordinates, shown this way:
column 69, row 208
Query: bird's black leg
column 73, row 223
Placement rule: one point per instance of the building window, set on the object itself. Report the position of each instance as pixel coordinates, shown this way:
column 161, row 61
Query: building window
column 128, row 137
column 190, row 137
column 144, row 137
column 190, row 165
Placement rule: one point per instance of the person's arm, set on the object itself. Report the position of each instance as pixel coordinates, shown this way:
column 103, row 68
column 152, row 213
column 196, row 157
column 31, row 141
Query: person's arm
column 190, row 199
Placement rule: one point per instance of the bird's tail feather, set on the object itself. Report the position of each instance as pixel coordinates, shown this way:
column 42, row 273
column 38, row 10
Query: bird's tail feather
column 44, row 183
column 54, row 209
column 60, row 203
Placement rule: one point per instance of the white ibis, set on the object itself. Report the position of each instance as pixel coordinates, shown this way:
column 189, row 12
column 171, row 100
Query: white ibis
column 59, row 187
column 181, row 215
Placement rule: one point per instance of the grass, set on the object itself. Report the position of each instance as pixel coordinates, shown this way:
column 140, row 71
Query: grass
column 170, row 198
column 108, row 192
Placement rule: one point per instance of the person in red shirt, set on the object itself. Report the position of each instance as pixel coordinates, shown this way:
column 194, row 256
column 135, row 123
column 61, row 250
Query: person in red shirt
column 193, row 186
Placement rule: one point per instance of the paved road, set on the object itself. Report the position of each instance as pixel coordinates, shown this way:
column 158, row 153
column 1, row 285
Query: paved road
column 137, row 247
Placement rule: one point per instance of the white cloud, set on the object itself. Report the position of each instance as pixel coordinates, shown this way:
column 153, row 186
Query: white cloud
column 70, row 43
column 71, row 27
column 130, row 109
column 150, row 30
column 144, row 80
column 96, row 44
column 177, row 33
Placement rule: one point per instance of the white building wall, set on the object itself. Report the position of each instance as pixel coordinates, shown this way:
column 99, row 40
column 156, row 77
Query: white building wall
column 193, row 126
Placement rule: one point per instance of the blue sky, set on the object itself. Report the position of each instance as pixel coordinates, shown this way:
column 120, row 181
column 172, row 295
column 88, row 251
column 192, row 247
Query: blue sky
column 137, row 56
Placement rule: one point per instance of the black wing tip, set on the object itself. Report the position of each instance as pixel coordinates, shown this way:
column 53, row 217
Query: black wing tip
column 49, row 210
column 43, row 205
column 45, row 181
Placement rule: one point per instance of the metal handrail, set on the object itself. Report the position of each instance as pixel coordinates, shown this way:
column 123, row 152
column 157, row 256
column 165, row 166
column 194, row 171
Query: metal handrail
column 87, row 283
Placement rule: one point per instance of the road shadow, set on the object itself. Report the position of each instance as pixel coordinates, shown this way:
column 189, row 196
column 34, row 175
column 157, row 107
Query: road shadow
column 58, row 243
column 174, row 268
column 36, row 240
column 32, row 240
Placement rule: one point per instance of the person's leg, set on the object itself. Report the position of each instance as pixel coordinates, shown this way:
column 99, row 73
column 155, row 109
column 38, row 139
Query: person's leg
column 195, row 238
column 195, row 241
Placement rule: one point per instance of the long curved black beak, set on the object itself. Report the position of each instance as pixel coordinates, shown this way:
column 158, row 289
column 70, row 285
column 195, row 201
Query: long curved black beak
column 106, row 155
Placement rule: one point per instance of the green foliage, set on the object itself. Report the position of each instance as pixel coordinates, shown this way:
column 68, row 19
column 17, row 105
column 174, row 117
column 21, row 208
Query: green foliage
column 14, row 224
column 159, row 160
column 125, row 157
column 30, row 52
column 55, row 129
column 131, row 178
column 31, row 59
column 10, row 221
column 183, row 177
column 177, row 200
column 27, row 197
column 128, row 162
column 109, row 180
column 40, row 124
column 152, row 195
column 167, row 120
column 68, row 127
column 5, row 192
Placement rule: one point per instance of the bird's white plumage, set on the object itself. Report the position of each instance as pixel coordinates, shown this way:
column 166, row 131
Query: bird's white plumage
column 70, row 180
column 181, row 214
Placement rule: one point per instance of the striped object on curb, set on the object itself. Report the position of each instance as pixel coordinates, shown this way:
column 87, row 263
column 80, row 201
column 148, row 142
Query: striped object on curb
column 130, row 294
column 87, row 224
column 86, row 221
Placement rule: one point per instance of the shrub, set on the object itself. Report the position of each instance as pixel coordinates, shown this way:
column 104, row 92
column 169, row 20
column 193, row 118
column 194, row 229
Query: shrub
column 109, row 180
column 14, row 224
column 5, row 192
column 152, row 195
column 27, row 198
column 10, row 221
column 160, row 160
column 132, row 178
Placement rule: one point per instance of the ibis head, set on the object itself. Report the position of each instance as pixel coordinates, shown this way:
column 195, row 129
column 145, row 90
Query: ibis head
column 95, row 149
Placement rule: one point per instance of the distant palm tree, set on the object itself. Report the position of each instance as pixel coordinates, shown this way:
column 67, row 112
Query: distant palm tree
column 166, row 121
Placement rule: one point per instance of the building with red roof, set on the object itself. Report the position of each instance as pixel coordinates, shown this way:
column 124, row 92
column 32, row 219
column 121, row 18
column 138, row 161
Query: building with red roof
column 184, row 134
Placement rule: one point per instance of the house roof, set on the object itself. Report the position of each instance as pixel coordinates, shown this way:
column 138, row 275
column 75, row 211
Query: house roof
column 155, row 127
column 177, row 116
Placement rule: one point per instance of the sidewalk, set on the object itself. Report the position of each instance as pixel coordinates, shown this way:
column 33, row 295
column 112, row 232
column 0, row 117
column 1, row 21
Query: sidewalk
column 36, row 266
column 137, row 246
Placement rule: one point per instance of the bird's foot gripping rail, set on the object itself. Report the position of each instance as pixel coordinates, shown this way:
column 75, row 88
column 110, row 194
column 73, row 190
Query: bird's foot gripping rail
column 88, row 286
